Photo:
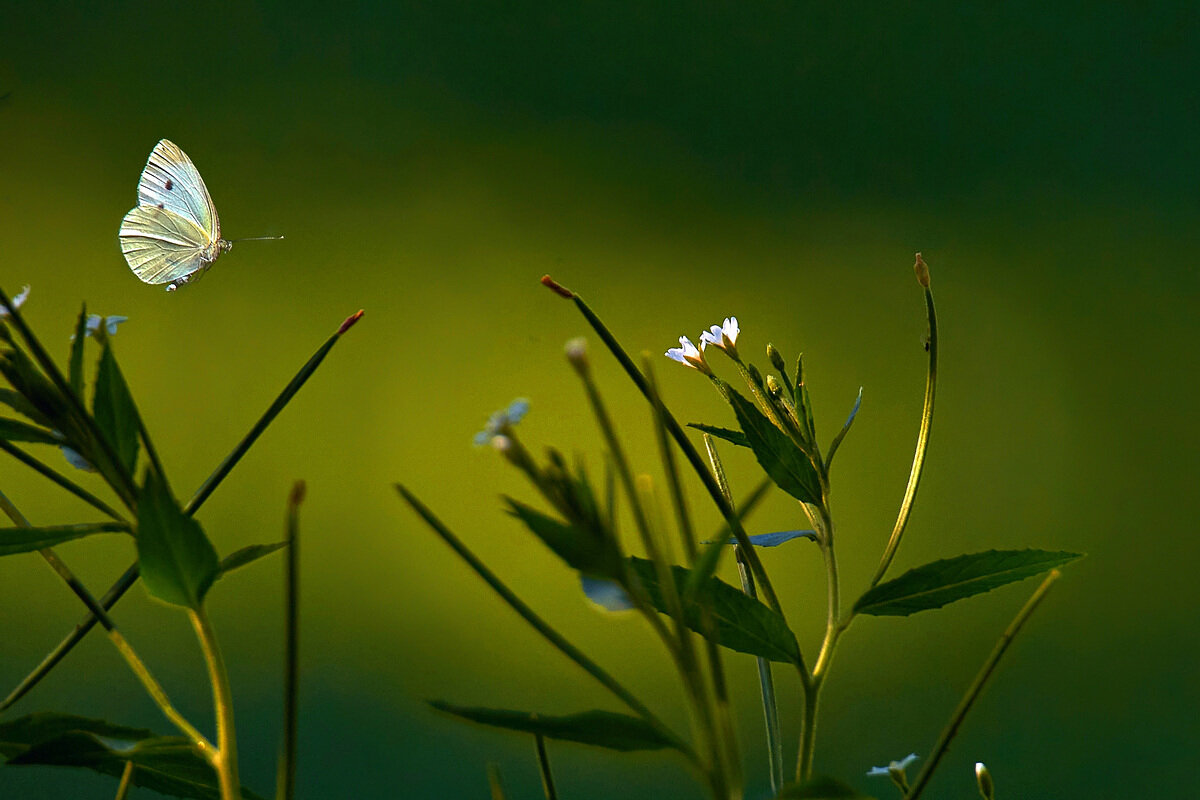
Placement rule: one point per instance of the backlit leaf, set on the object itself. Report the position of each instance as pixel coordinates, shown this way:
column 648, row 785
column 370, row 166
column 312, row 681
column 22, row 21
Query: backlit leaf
column 940, row 582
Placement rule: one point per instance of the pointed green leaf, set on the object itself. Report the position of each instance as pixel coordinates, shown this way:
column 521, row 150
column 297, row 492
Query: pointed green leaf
column 19, row 404
column 27, row 540
column 580, row 549
column 247, row 555
column 114, row 410
column 12, row 430
column 166, row 764
column 30, row 383
column 941, row 582
column 599, row 728
column 76, row 366
column 20, row 734
column 778, row 455
column 178, row 563
column 821, row 787
column 733, row 437
column 742, row 622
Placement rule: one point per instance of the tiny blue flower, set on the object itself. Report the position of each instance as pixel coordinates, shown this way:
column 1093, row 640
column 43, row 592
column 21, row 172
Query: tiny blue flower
column 94, row 321
column 501, row 421
column 895, row 766
column 605, row 593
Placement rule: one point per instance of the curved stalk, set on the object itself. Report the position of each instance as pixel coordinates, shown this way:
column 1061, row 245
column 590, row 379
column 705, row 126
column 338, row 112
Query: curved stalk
column 225, row 763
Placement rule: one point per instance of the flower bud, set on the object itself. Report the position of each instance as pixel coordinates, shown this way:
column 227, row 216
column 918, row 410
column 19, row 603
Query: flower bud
column 776, row 359
column 987, row 788
column 576, row 350
column 922, row 271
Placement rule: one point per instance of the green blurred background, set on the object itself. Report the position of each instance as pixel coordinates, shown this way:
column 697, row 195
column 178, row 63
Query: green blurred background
column 675, row 163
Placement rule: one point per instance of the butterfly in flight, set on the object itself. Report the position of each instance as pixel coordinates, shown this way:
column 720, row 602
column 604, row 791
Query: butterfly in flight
column 173, row 235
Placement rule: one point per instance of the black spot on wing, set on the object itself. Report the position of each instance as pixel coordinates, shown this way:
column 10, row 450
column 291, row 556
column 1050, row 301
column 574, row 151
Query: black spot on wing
column 169, row 185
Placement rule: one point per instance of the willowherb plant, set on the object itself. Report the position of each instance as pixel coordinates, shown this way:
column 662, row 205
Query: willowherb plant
column 696, row 615
column 175, row 561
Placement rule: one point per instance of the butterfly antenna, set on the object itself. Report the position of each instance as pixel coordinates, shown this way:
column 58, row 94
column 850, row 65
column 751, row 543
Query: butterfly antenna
column 255, row 239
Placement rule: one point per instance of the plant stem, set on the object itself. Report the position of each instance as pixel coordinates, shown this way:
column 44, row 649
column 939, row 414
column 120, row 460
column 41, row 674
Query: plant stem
column 286, row 779
column 766, row 683
column 914, row 475
column 808, row 729
column 226, row 761
column 976, row 686
column 550, row 634
column 126, row 781
column 539, row 743
column 130, row 576
column 123, row 647
column 685, row 445
column 61, row 480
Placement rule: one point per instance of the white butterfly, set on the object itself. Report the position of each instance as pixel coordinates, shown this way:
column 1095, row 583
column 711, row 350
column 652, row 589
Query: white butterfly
column 173, row 235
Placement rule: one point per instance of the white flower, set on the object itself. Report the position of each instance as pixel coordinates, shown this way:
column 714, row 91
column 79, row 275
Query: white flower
column 895, row 766
column 502, row 421
column 110, row 323
column 17, row 301
column 723, row 336
column 94, row 321
column 688, row 355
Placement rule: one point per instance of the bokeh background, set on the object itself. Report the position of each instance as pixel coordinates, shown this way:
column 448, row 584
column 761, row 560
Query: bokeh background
column 675, row 163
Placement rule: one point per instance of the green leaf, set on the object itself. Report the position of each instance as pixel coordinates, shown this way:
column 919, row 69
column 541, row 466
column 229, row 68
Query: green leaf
column 941, row 582
column 76, row 367
column 38, row 391
column 115, row 413
column 166, row 764
column 821, row 787
column 778, row 455
column 734, row 437
column 18, row 735
column 581, row 549
column 742, row 622
column 247, row 555
column 19, row 404
column 599, row 728
column 12, row 430
column 178, row 563
column 27, row 540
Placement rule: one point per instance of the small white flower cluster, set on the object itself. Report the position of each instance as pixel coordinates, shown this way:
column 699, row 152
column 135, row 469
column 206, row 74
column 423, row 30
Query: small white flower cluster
column 723, row 336
column 895, row 766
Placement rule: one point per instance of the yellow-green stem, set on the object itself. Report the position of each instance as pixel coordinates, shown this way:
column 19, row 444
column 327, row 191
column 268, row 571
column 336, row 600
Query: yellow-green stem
column 226, row 760
column 126, row 781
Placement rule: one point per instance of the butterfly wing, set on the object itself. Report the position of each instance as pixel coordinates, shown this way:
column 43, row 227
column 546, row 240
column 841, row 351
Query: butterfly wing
column 171, row 182
column 162, row 246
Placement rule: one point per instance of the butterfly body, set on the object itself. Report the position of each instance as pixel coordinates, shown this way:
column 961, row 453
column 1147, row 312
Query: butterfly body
column 173, row 235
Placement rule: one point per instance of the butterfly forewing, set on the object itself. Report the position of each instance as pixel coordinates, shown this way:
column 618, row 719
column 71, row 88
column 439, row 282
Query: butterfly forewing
column 171, row 182
column 163, row 247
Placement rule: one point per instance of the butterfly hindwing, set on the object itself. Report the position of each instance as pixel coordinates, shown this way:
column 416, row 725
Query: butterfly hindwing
column 162, row 246
column 171, row 182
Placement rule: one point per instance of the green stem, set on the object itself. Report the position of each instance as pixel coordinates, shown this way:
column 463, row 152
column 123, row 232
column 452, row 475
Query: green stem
column 131, row 657
column 977, row 685
column 130, row 576
column 543, row 758
column 202, row 745
column 914, row 475
column 226, row 763
column 685, row 445
column 544, row 628
column 61, row 480
column 126, row 781
column 286, row 779
column 766, row 683
column 808, row 730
